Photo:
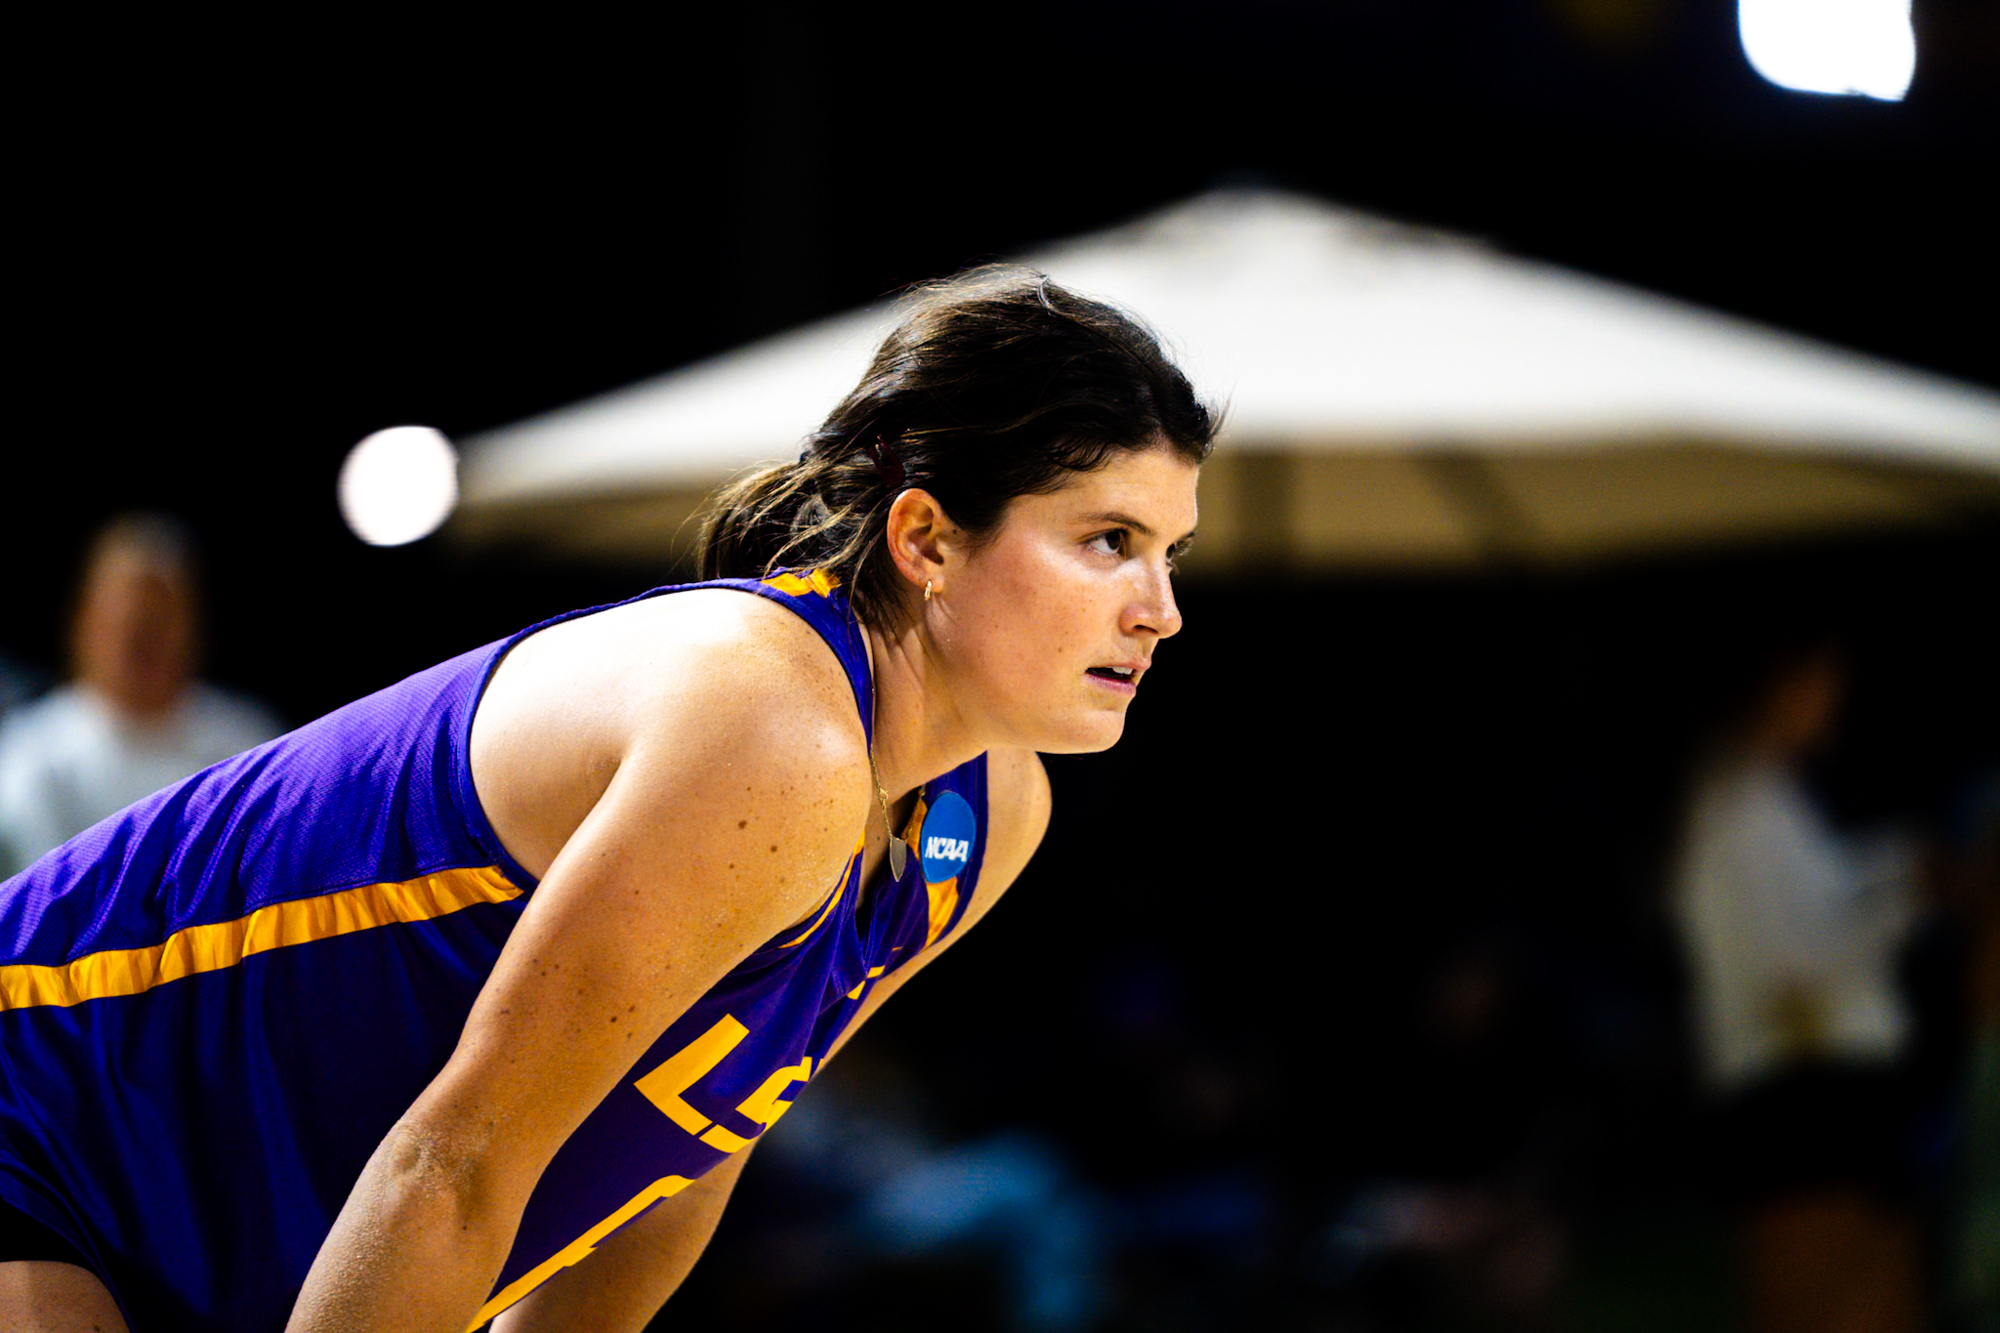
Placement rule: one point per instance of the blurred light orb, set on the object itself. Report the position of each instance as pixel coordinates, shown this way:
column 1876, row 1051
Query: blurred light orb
column 1862, row 48
column 398, row 485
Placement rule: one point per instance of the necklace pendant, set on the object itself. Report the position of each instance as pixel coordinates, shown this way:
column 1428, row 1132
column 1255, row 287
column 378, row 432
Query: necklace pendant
column 899, row 852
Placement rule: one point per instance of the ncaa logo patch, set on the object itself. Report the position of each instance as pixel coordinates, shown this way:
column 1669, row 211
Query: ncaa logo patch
column 946, row 840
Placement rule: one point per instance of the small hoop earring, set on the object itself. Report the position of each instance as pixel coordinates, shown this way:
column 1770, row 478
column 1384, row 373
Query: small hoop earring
column 927, row 590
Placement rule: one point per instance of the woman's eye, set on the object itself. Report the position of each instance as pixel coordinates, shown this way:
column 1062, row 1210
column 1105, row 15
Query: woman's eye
column 1109, row 543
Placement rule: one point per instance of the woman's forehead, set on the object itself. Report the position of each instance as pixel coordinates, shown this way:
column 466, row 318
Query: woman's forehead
column 1155, row 486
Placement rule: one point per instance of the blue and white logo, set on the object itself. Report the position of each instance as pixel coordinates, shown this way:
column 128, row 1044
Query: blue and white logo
column 946, row 841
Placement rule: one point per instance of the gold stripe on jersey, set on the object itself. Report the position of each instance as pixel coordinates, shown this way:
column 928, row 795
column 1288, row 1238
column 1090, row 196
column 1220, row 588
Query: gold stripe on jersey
column 944, row 897
column 211, row 948
column 579, row 1249
column 944, row 901
column 818, row 581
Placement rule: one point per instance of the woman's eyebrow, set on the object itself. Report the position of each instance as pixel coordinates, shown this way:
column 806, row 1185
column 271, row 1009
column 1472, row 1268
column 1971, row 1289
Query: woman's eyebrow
column 1113, row 517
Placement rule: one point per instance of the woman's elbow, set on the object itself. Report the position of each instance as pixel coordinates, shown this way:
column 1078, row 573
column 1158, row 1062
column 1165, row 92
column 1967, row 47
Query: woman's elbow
column 457, row 1177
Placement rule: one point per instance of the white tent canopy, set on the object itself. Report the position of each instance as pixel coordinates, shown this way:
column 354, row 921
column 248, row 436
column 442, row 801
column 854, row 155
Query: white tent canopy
column 1393, row 394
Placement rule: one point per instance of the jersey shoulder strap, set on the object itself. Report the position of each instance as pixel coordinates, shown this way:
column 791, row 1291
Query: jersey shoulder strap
column 817, row 598
column 814, row 595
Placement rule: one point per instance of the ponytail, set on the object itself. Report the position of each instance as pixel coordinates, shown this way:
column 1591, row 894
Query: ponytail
column 777, row 517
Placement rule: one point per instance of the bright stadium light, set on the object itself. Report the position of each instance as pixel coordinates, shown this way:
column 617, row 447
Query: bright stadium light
column 1862, row 48
column 398, row 485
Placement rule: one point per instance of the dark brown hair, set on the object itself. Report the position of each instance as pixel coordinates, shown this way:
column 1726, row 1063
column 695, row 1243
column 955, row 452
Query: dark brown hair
column 997, row 384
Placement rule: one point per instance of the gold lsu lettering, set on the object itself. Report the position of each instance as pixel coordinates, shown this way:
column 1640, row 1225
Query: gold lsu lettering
column 667, row 1085
column 664, row 1088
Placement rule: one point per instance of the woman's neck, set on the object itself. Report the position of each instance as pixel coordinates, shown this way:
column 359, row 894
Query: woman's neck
column 920, row 732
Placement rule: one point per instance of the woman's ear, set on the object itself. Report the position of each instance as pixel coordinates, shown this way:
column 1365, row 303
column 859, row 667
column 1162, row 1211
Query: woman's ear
column 923, row 541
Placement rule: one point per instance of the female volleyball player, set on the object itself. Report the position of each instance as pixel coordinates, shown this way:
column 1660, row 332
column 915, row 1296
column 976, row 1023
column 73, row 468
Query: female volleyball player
column 468, row 1001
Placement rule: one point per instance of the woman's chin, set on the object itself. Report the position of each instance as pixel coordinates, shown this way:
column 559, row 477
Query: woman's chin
column 1100, row 733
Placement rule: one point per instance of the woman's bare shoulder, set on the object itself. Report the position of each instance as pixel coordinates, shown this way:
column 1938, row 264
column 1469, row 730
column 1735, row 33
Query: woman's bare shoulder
column 572, row 703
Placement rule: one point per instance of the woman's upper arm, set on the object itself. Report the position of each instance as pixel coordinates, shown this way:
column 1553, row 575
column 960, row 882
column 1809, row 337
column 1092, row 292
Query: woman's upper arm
column 733, row 806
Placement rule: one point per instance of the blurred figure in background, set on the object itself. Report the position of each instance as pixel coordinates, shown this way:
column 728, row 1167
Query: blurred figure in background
column 1793, row 932
column 135, row 718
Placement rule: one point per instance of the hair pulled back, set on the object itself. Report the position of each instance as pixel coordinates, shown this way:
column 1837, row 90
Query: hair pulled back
column 997, row 384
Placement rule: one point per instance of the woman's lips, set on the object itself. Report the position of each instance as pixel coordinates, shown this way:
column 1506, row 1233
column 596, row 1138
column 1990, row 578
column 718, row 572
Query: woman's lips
column 1124, row 679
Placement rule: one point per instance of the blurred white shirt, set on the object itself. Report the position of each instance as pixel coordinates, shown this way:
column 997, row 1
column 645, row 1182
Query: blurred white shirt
column 1792, row 930
column 67, row 760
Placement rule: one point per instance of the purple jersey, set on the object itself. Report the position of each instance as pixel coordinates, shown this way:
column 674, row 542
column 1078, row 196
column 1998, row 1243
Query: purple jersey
column 215, row 1004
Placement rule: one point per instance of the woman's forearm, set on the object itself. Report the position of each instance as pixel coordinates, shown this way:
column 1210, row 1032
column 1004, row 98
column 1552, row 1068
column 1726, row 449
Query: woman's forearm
column 416, row 1248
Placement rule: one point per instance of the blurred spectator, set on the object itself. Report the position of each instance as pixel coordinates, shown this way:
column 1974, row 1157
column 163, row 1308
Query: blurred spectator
column 135, row 718
column 1793, row 932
